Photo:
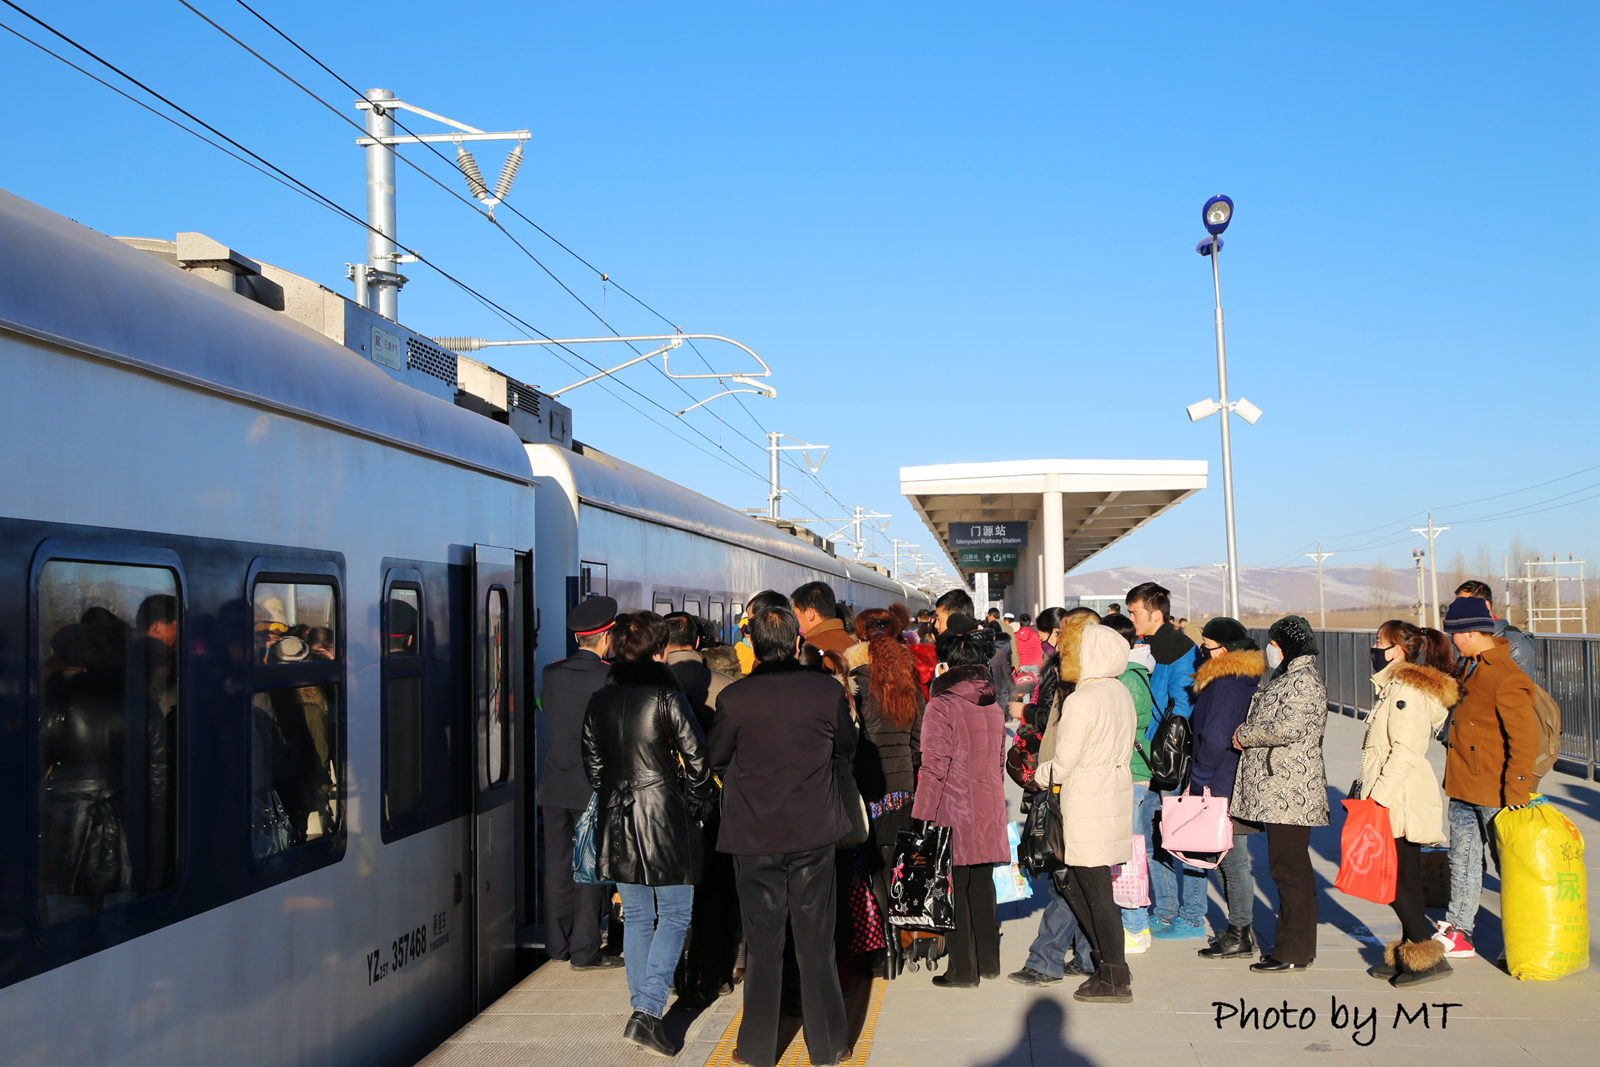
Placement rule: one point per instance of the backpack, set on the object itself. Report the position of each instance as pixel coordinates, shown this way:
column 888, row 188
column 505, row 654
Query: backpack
column 1171, row 751
column 1548, row 715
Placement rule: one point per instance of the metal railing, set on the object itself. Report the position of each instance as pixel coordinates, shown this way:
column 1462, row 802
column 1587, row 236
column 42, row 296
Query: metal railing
column 1567, row 667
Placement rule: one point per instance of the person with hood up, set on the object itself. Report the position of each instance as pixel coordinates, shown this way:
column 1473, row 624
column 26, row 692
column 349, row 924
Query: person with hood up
column 960, row 786
column 1059, row 934
column 1091, row 764
column 1283, row 784
column 1415, row 694
column 1136, row 679
column 1226, row 681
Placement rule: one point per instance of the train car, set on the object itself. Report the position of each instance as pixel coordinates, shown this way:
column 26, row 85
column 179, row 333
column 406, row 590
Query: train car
column 271, row 586
column 261, row 632
column 609, row 528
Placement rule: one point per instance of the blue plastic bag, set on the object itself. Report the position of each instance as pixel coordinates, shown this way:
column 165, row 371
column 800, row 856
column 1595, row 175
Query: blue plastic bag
column 1010, row 883
column 585, row 858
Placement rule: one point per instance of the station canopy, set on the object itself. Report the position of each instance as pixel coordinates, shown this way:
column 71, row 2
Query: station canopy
column 1025, row 523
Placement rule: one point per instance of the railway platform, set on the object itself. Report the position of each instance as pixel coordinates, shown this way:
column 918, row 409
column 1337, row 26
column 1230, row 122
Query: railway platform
column 1185, row 1010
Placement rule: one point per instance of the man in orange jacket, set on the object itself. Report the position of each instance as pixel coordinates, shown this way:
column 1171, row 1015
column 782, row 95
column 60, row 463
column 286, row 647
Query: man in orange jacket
column 1494, row 738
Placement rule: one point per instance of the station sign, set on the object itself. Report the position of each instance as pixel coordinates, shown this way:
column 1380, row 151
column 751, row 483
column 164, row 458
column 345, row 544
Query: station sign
column 1013, row 534
column 982, row 559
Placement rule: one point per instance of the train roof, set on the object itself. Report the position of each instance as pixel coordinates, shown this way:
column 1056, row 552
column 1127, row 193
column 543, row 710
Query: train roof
column 68, row 285
column 605, row 482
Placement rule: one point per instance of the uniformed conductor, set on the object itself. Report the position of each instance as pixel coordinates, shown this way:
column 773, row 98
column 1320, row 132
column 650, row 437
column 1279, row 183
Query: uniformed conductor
column 571, row 911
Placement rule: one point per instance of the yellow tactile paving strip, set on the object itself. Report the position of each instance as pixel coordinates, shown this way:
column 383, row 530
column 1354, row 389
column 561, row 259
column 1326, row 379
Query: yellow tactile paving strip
column 861, row 1009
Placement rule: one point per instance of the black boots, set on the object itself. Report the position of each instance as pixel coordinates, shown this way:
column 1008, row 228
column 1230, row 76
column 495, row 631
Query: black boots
column 647, row 1032
column 1111, row 983
column 1233, row 943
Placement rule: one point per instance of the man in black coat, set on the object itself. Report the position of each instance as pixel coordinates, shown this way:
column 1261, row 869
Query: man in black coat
column 775, row 738
column 572, row 912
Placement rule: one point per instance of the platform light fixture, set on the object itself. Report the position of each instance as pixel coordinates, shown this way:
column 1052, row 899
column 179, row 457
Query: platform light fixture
column 1216, row 214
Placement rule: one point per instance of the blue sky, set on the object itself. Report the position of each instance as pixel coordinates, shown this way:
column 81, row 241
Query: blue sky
column 956, row 232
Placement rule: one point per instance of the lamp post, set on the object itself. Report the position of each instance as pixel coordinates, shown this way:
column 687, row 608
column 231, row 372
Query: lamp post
column 1216, row 214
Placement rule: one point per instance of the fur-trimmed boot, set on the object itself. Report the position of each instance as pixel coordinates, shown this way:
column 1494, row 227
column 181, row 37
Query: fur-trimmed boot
column 1233, row 943
column 1419, row 962
column 1386, row 970
column 1112, row 983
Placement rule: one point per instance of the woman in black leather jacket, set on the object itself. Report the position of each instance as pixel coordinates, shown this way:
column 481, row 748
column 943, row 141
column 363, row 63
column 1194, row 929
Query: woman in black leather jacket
column 645, row 757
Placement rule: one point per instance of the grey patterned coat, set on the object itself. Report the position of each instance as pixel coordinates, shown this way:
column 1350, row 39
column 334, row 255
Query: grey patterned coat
column 1281, row 776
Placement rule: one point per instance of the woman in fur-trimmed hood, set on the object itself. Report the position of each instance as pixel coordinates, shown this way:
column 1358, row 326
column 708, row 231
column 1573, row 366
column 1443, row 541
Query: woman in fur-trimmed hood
column 1415, row 694
column 1231, row 666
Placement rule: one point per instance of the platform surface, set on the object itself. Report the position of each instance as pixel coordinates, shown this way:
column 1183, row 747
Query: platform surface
column 1341, row 1016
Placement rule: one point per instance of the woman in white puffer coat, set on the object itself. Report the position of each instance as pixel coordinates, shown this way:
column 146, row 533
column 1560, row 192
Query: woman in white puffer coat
column 1415, row 694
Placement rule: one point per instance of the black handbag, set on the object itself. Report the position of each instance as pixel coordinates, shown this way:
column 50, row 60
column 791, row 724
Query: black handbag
column 1043, row 845
column 1171, row 752
column 922, row 881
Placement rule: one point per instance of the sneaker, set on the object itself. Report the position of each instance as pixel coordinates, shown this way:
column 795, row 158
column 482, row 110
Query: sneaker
column 1136, row 942
column 1157, row 925
column 1029, row 976
column 1457, row 945
column 1178, row 931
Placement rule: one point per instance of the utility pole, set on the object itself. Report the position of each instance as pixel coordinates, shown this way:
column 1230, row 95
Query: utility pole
column 898, row 544
column 855, row 521
column 378, row 280
column 1418, row 556
column 1188, row 602
column 1225, row 587
column 1322, row 600
column 1430, row 533
column 774, row 490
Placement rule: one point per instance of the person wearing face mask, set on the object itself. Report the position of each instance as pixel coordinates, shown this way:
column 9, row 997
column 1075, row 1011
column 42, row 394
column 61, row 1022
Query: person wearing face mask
column 1415, row 692
column 1226, row 681
column 1283, row 784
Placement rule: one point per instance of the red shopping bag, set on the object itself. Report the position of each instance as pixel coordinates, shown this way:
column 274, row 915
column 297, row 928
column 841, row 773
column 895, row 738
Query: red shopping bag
column 1367, row 860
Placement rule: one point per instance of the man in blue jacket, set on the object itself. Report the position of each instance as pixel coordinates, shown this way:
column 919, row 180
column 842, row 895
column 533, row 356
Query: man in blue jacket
column 1177, row 891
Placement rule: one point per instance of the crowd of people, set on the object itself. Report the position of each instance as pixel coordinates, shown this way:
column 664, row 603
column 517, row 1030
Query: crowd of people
column 748, row 816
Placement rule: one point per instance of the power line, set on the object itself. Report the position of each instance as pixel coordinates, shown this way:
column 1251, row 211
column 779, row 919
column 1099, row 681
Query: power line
column 509, row 236
column 334, row 206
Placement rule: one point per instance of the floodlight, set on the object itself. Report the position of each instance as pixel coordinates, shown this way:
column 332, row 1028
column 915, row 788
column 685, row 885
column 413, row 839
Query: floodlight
column 1217, row 213
column 1202, row 409
column 1246, row 410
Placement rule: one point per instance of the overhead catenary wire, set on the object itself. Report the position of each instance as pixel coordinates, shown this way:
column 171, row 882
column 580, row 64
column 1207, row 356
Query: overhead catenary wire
column 606, row 278
column 326, row 201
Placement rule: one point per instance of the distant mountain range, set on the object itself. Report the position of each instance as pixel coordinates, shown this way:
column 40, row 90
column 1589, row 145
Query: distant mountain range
column 1261, row 589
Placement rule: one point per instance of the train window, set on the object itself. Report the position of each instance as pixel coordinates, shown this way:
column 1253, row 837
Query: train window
column 719, row 619
column 402, row 695
column 498, row 738
column 663, row 606
column 294, row 738
column 108, row 726
column 592, row 580
column 692, row 607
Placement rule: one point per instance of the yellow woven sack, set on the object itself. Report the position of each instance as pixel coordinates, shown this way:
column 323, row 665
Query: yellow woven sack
column 1544, row 894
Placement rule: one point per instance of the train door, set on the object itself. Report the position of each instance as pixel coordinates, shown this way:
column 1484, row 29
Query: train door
column 497, row 681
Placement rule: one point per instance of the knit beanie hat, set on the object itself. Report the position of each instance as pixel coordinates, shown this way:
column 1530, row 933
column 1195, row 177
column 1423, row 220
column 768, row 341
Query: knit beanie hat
column 1294, row 636
column 1468, row 614
column 1229, row 633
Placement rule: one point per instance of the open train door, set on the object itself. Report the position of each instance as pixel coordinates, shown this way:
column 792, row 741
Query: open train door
column 497, row 680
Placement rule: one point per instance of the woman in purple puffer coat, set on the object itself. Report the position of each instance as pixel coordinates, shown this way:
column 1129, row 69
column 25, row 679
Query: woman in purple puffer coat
column 961, row 786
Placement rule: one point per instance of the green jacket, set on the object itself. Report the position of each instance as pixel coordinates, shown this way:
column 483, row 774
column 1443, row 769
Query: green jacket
column 1137, row 680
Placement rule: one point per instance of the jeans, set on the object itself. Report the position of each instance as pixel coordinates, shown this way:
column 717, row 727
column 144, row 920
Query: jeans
column 1237, row 886
column 655, row 920
column 1177, row 891
column 1470, row 826
column 1058, row 934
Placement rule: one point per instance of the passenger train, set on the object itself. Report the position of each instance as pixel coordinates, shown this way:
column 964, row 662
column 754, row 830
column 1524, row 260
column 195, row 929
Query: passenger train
column 273, row 601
